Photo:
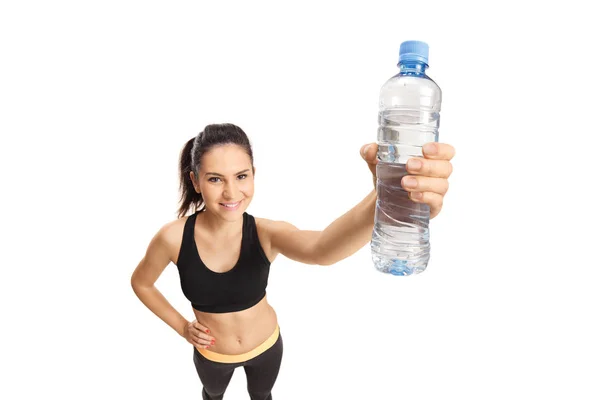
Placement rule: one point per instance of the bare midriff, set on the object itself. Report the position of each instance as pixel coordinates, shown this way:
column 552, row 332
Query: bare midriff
column 239, row 332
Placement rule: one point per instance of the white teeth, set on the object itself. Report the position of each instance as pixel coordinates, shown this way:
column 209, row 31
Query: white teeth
column 231, row 205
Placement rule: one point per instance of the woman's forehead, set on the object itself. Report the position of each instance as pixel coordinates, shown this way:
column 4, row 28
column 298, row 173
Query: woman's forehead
column 228, row 159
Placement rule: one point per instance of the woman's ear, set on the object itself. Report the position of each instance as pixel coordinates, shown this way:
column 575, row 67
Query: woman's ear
column 192, row 177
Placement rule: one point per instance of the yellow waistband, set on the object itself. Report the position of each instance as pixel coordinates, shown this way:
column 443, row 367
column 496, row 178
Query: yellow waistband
column 235, row 358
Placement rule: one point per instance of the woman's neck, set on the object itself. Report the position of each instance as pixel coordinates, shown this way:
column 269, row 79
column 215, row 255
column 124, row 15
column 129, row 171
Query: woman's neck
column 218, row 227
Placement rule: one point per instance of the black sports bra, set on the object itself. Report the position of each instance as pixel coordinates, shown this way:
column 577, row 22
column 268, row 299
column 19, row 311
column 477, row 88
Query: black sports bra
column 219, row 292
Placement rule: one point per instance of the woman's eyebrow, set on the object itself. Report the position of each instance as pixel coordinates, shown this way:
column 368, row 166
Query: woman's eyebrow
column 237, row 173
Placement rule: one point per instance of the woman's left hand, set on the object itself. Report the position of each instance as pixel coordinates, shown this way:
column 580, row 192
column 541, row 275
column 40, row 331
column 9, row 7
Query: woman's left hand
column 428, row 179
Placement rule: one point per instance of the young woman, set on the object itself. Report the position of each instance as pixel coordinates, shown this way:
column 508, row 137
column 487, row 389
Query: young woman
column 223, row 254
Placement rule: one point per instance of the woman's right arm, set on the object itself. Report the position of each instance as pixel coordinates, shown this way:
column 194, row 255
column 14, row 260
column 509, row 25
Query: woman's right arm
column 145, row 275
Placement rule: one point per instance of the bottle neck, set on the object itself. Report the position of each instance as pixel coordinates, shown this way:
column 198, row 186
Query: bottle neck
column 412, row 68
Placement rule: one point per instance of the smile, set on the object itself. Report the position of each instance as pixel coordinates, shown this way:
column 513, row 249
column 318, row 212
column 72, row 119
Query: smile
column 231, row 206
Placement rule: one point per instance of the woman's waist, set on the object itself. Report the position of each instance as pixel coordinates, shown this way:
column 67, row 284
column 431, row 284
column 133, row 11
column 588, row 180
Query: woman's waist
column 241, row 356
column 240, row 331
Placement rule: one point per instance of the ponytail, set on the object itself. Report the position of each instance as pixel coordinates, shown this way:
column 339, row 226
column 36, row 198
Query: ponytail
column 189, row 196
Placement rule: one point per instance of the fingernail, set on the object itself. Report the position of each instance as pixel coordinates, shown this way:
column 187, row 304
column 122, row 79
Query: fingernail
column 430, row 149
column 410, row 182
column 416, row 195
column 414, row 164
column 208, row 331
column 365, row 149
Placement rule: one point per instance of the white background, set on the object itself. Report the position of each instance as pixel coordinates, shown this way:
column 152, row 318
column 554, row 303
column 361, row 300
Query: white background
column 97, row 99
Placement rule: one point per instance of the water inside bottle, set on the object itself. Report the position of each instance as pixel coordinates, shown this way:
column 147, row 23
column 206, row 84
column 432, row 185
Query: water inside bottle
column 400, row 240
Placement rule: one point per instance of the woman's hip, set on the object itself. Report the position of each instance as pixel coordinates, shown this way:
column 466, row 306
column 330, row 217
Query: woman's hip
column 273, row 342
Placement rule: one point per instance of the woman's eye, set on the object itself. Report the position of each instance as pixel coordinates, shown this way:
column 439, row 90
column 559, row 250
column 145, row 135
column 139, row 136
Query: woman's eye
column 214, row 179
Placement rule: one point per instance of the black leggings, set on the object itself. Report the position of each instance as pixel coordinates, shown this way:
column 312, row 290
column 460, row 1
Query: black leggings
column 261, row 373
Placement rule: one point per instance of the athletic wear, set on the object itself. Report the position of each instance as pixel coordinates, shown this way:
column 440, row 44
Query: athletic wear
column 237, row 289
column 238, row 358
column 261, row 373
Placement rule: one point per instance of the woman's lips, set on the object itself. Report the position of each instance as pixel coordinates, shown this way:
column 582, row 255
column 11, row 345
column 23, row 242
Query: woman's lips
column 229, row 208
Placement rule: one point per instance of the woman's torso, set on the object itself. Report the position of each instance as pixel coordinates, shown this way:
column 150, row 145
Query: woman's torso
column 234, row 332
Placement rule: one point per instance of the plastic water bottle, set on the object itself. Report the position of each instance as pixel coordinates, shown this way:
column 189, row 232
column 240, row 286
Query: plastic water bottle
column 409, row 107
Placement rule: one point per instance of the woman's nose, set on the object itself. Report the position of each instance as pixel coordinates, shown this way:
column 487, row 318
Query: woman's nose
column 230, row 191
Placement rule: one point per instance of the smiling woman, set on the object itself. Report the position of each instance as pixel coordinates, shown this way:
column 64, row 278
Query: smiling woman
column 223, row 255
column 232, row 205
column 224, row 171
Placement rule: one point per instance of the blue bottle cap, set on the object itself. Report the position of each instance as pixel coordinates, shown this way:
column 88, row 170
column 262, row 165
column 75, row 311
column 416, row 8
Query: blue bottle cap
column 414, row 50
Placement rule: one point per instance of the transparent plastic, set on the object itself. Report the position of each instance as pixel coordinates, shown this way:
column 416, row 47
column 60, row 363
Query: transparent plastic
column 409, row 117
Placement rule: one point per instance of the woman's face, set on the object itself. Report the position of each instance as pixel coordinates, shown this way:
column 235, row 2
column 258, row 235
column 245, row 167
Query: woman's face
column 226, row 181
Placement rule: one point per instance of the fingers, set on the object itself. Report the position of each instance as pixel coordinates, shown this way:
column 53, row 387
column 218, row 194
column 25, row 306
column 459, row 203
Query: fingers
column 201, row 335
column 428, row 179
column 435, row 201
column 202, row 339
column 201, row 327
column 432, row 150
column 429, row 182
column 438, row 151
column 431, row 168
column 412, row 183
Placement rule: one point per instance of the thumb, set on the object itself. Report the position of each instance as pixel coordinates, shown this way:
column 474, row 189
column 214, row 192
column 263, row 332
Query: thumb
column 369, row 152
column 364, row 149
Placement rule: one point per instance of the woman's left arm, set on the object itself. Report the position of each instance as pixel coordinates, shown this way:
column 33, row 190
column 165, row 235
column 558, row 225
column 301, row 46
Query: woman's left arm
column 427, row 182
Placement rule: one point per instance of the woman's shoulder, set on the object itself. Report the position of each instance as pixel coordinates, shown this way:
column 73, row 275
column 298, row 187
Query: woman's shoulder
column 262, row 226
column 299, row 245
column 264, row 229
column 269, row 229
column 171, row 234
column 270, row 226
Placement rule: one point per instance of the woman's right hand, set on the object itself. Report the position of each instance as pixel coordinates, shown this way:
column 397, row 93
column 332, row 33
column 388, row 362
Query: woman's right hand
column 198, row 335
